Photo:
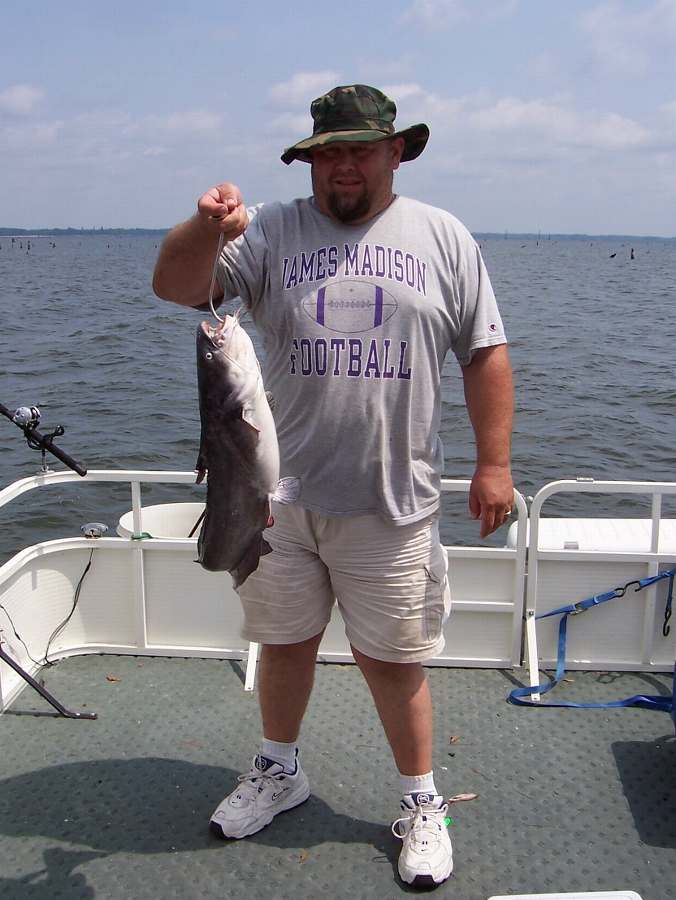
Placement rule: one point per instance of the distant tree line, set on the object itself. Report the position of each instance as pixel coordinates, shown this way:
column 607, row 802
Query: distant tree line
column 64, row 232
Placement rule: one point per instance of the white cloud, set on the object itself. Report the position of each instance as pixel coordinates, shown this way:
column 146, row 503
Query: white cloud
column 404, row 92
column 631, row 38
column 30, row 138
column 20, row 99
column 559, row 125
column 190, row 121
column 303, row 87
column 443, row 13
column 291, row 123
column 435, row 13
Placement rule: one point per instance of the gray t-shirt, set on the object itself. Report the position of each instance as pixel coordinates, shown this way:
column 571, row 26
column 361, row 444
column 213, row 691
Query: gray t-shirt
column 357, row 321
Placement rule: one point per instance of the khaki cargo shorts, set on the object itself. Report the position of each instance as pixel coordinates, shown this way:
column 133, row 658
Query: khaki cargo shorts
column 389, row 581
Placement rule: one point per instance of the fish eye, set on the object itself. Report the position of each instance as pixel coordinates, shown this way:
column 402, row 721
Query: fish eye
column 208, row 355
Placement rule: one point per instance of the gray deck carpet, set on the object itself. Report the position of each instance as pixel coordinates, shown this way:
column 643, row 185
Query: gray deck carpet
column 569, row 800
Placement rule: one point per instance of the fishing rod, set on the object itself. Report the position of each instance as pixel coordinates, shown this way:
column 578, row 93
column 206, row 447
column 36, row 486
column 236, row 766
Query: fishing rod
column 27, row 418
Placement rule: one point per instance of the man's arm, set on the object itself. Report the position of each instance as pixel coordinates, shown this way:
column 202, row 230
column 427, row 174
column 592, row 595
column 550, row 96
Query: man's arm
column 187, row 255
column 490, row 403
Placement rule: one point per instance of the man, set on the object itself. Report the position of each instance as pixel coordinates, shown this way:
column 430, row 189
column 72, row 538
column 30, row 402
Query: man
column 359, row 294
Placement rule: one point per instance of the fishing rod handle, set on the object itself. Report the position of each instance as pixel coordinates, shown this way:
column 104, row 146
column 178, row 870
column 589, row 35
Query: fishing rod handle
column 67, row 460
column 45, row 442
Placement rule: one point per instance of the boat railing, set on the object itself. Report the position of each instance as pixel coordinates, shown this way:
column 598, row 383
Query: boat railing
column 145, row 595
column 570, row 560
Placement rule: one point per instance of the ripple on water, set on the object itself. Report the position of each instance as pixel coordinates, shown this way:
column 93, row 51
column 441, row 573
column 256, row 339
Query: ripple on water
column 591, row 344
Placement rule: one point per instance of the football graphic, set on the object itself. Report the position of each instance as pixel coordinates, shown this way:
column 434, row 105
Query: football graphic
column 350, row 307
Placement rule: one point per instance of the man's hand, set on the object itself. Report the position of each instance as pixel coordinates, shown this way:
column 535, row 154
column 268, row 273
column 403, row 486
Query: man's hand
column 223, row 209
column 491, row 496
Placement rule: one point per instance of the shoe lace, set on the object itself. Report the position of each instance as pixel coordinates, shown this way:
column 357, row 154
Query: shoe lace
column 424, row 824
column 249, row 785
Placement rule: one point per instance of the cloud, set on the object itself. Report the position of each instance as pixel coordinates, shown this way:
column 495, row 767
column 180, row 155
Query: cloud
column 30, row 137
column 303, row 87
column 434, row 14
column 559, row 125
column 190, row 121
column 20, row 99
column 290, row 123
column 629, row 38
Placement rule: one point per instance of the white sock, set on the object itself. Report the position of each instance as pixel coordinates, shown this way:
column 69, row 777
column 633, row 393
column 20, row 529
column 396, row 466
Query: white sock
column 413, row 784
column 281, row 752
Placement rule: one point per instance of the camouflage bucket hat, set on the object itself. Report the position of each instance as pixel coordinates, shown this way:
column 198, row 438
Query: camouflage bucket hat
column 356, row 112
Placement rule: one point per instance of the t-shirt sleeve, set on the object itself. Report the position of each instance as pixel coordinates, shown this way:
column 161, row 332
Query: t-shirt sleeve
column 243, row 263
column 480, row 324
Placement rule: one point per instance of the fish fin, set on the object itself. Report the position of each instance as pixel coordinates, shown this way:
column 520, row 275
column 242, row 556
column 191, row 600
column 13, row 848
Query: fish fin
column 288, row 490
column 249, row 416
column 249, row 562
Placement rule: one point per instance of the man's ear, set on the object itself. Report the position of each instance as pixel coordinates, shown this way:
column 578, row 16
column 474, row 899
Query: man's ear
column 397, row 145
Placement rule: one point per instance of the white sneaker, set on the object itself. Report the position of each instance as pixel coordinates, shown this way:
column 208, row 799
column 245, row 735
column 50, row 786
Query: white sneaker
column 426, row 857
column 263, row 792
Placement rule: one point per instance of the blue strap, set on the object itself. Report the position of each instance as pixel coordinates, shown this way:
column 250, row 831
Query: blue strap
column 660, row 702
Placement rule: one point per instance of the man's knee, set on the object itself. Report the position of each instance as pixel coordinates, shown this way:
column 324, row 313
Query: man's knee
column 297, row 651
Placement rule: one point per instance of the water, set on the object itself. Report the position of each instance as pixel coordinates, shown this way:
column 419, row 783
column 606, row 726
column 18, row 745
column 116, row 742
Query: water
column 82, row 337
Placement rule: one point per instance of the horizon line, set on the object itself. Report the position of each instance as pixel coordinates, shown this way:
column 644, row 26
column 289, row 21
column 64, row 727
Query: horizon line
column 44, row 231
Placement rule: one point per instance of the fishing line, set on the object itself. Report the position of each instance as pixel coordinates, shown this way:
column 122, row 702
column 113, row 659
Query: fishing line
column 213, row 279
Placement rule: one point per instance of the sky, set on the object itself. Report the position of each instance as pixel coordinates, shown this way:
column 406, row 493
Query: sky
column 545, row 115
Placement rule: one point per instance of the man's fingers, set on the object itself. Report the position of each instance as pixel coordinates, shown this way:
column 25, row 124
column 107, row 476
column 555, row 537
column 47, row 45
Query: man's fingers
column 492, row 518
column 488, row 523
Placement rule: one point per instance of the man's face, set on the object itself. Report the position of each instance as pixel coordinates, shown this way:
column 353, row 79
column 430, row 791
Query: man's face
column 352, row 180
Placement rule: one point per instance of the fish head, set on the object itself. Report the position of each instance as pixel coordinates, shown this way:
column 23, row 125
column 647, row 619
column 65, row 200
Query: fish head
column 226, row 356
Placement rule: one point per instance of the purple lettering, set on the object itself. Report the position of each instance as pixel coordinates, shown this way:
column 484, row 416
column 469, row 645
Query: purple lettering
column 321, row 256
column 402, row 353
column 352, row 260
column 337, row 344
column 307, row 265
column 293, row 274
column 286, row 265
column 333, row 262
column 366, row 262
column 410, row 271
column 320, row 357
column 354, row 367
column 398, row 265
column 380, row 261
column 387, row 373
column 306, row 356
column 372, row 364
column 421, row 269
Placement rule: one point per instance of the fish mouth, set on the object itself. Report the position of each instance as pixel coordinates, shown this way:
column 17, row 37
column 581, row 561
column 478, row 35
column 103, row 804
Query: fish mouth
column 229, row 342
column 217, row 334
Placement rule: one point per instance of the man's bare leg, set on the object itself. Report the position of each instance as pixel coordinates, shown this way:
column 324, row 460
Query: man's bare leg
column 285, row 678
column 402, row 697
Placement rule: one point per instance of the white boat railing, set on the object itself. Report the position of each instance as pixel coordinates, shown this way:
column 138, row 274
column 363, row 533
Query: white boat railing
column 145, row 595
column 570, row 560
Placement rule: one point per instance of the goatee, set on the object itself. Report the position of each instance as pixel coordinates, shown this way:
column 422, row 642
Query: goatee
column 347, row 209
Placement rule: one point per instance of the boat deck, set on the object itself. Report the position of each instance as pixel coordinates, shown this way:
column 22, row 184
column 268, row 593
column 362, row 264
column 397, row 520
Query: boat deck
column 568, row 800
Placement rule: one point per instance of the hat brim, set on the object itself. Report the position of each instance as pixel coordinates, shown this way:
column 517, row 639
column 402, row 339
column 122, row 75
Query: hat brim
column 415, row 139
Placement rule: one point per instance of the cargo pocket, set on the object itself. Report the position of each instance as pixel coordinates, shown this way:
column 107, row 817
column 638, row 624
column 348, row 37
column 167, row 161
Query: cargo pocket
column 437, row 599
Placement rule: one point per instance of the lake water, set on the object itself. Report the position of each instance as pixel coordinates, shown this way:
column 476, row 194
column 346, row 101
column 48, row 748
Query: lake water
column 592, row 335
